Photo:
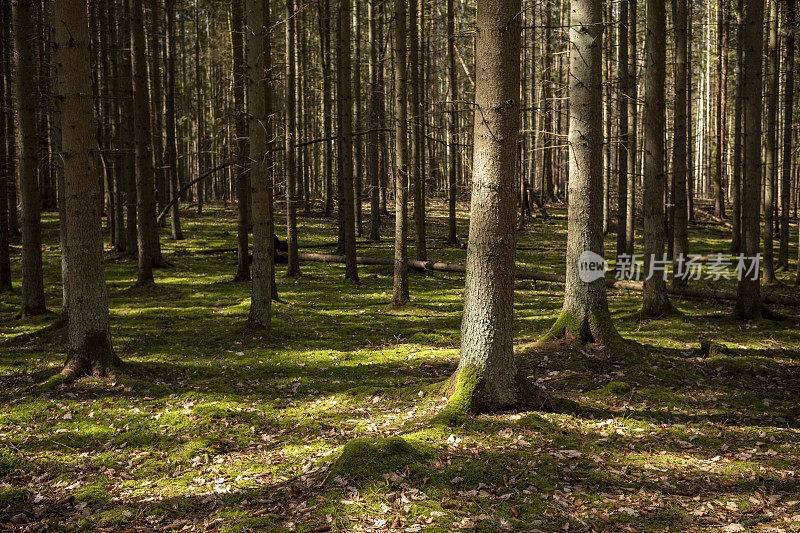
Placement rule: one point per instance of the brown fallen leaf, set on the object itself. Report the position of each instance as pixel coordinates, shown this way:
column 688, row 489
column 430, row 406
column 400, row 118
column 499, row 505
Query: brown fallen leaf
column 602, row 517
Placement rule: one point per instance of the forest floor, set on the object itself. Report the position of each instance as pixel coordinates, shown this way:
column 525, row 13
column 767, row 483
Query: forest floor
column 211, row 426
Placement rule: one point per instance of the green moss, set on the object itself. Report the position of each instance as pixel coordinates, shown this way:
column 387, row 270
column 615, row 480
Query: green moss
column 464, row 395
column 567, row 325
column 94, row 495
column 13, row 496
column 618, row 387
column 363, row 459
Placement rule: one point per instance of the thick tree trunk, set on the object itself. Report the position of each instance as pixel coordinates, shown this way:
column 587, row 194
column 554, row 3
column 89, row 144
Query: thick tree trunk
column 259, row 116
column 748, row 305
column 487, row 374
column 400, row 294
column 585, row 315
column 170, row 151
column 679, row 143
column 242, row 143
column 790, row 20
column 32, row 281
column 770, row 140
column 293, row 267
column 630, row 215
column 89, row 342
column 452, row 133
column 149, row 248
column 345, row 138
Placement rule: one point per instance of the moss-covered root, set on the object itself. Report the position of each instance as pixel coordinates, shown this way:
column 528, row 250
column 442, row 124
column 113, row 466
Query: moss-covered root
column 94, row 356
column 598, row 328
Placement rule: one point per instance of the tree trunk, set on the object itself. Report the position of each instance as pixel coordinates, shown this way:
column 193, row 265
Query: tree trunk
column 770, row 140
column 624, row 138
column 416, row 131
column 452, row 134
column 10, row 132
column 259, row 116
column 400, row 294
column 242, row 144
column 547, row 133
column 719, row 156
column 149, row 248
column 748, row 304
column 32, row 281
column 170, row 151
column 327, row 97
column 358, row 181
column 679, row 143
column 374, row 124
column 89, row 346
column 654, row 301
column 293, row 267
column 345, row 138
column 630, row 215
column 790, row 15
column 199, row 111
column 585, row 315
column 736, row 185
column 158, row 102
column 5, row 175
column 125, row 89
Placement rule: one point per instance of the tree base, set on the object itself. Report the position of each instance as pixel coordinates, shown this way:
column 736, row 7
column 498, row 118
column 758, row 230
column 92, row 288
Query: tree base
column 599, row 329
column 669, row 311
column 464, row 390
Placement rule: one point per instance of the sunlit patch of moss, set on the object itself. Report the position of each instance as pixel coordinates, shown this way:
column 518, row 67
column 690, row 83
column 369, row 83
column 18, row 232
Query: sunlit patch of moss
column 365, row 458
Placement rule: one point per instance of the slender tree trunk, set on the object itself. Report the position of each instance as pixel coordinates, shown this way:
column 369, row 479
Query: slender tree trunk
column 32, row 281
column 89, row 346
column 748, row 304
column 690, row 174
column 242, row 142
column 416, row 130
column 487, row 373
column 679, row 143
column 345, row 137
column 127, row 137
column 585, row 316
column 630, row 215
column 259, row 116
column 790, row 20
column 736, row 186
column 624, row 138
column 719, row 163
column 770, row 140
column 5, row 176
column 327, row 98
column 199, row 111
column 547, row 134
column 157, row 93
column 452, row 134
column 358, row 181
column 400, row 294
column 374, row 124
column 170, row 151
column 607, row 110
column 293, row 267
column 149, row 248
column 10, row 132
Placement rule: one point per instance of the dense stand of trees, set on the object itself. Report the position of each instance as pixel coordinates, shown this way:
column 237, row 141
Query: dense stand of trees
column 638, row 121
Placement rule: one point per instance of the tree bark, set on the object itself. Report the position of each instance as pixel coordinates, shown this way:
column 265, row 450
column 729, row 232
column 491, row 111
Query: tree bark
column 630, row 215
column 748, row 304
column 293, row 267
column 259, row 116
column 679, row 143
column 585, row 316
column 487, row 374
column 89, row 346
column 770, row 140
column 10, row 132
column 242, row 142
column 721, row 99
column 790, row 19
column 327, row 97
column 125, row 89
column 149, row 248
column 400, row 294
column 5, row 175
column 654, row 301
column 32, row 281
column 345, row 138
column 170, row 151
column 736, row 185
column 416, row 132
column 373, row 145
column 452, row 133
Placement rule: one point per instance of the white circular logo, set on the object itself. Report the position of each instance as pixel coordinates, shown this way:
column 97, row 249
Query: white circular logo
column 591, row 266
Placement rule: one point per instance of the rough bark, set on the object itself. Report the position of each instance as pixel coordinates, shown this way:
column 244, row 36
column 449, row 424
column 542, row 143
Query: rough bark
column 89, row 346
column 242, row 143
column 770, row 140
column 32, row 282
column 147, row 234
column 585, row 315
column 679, row 143
column 452, row 133
column 630, row 215
column 790, row 19
column 259, row 116
column 400, row 295
column 487, row 376
column 5, row 176
column 736, row 184
column 345, row 137
column 11, row 130
column 748, row 304
column 293, row 267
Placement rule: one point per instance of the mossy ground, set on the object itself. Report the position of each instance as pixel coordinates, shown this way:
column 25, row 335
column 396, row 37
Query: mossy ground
column 213, row 426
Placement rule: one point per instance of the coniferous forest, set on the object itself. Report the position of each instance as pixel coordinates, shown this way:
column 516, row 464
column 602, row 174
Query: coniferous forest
column 399, row 265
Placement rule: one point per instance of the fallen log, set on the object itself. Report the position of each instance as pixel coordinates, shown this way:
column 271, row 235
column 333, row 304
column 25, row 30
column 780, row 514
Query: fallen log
column 685, row 292
column 713, row 218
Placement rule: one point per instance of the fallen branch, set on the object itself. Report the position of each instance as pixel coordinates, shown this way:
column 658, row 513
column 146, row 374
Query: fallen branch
column 686, row 292
column 186, row 188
